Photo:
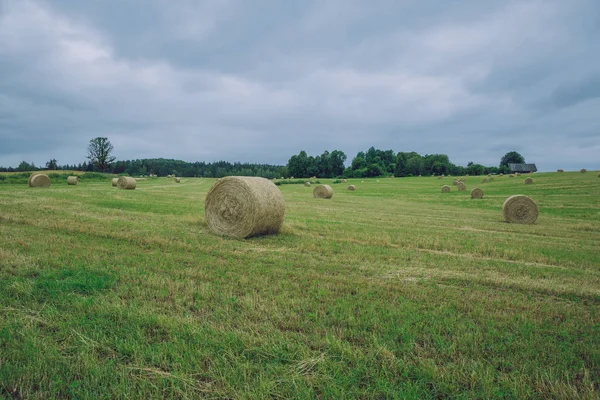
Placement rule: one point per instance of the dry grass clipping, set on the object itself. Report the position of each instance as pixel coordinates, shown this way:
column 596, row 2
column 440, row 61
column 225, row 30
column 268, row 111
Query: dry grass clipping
column 323, row 192
column 519, row 209
column 528, row 181
column 583, row 170
column 307, row 184
column 72, row 180
column 477, row 193
column 114, row 181
column 461, row 187
column 244, row 206
column 445, row 189
column 39, row 180
column 126, row 182
column 352, row 188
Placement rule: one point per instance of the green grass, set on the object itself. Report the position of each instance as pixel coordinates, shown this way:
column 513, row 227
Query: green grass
column 392, row 291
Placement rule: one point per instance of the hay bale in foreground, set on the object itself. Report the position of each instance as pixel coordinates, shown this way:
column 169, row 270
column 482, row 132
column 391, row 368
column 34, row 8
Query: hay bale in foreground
column 307, row 184
column 352, row 188
column 31, row 177
column 461, row 187
column 126, row 182
column 72, row 180
column 114, row 181
column 477, row 193
column 583, row 170
column 520, row 209
column 323, row 192
column 244, row 206
column 39, row 180
column 528, row 181
column 445, row 189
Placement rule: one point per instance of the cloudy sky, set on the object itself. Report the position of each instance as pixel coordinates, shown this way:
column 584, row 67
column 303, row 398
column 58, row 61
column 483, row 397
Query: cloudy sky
column 260, row 80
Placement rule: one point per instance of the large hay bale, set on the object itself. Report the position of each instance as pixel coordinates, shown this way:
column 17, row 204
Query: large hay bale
column 177, row 180
column 343, row 181
column 583, row 170
column 72, row 180
column 244, row 206
column 477, row 193
column 445, row 189
column 40, row 180
column 352, row 188
column 126, row 182
column 323, row 192
column 520, row 209
column 484, row 180
column 307, row 184
column 560, row 170
column 461, row 187
column 31, row 177
column 114, row 181
column 528, row 181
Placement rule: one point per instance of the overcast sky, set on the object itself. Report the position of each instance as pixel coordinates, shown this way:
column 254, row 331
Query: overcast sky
column 260, row 80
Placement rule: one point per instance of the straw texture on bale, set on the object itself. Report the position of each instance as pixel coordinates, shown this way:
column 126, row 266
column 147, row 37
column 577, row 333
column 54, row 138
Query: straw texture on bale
column 519, row 209
column 461, row 187
column 560, row 170
column 583, row 170
column 126, row 182
column 352, row 188
column 511, row 176
column 307, row 184
column 445, row 189
column 528, row 181
column 114, row 181
column 244, row 206
column 177, row 180
column 323, row 192
column 477, row 193
column 343, row 181
column 484, row 180
column 30, row 177
column 72, row 180
column 40, row 180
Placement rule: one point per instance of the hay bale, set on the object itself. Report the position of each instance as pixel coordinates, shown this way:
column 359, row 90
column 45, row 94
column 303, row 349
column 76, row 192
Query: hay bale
column 461, row 187
column 72, row 180
column 307, row 184
column 177, row 180
column 244, row 206
column 528, row 181
column 126, row 182
column 519, row 209
column 419, row 176
column 352, row 188
column 30, row 177
column 484, row 180
column 455, row 182
column 323, row 192
column 518, row 174
column 343, row 181
column 511, row 176
column 39, row 180
column 440, row 177
column 114, row 181
column 477, row 193
column 583, row 170
column 445, row 189
column 598, row 174
column 560, row 170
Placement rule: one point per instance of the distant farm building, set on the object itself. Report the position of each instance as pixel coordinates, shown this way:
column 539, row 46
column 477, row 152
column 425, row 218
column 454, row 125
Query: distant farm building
column 525, row 168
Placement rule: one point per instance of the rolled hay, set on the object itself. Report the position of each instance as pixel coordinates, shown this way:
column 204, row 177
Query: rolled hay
column 528, row 181
column 40, row 180
column 518, row 174
column 72, row 180
column 520, row 209
column 598, row 174
column 477, row 193
column 323, row 192
column 500, row 174
column 114, row 181
column 30, row 177
column 560, row 170
column 177, row 180
column 583, row 170
column 307, row 184
column 343, row 181
column 484, row 180
column 511, row 176
column 352, row 188
column 445, row 189
column 440, row 177
column 455, row 182
column 244, row 206
column 461, row 187
column 126, row 182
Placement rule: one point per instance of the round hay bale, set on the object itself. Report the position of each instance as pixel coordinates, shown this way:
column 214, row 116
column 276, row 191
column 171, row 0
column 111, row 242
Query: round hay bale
column 445, row 189
column 40, row 180
column 307, row 184
column 323, row 192
column 560, row 170
column 583, row 170
column 519, row 209
column 518, row 174
column 511, row 176
column 72, row 180
column 31, row 177
column 455, row 182
column 528, row 181
column 343, row 181
column 244, row 206
column 177, row 180
column 352, row 188
column 126, row 182
column 114, row 181
column 461, row 187
column 484, row 180
column 477, row 193
column 440, row 177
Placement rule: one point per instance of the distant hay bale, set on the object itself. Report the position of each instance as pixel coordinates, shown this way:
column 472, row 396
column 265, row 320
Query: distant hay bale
column 440, row 177
column 560, row 170
column 352, row 188
column 244, row 206
column 39, row 180
column 518, row 174
column 477, row 193
column 511, row 176
column 519, row 209
column 307, row 184
column 323, row 192
column 583, row 170
column 343, row 181
column 177, row 180
column 419, row 176
column 126, row 182
column 72, row 180
column 445, row 189
column 461, row 187
column 455, row 182
column 314, row 177
column 114, row 181
column 528, row 181
column 500, row 174
column 484, row 180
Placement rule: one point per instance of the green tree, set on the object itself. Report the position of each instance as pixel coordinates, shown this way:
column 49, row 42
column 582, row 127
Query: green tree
column 52, row 165
column 512, row 157
column 25, row 166
column 99, row 151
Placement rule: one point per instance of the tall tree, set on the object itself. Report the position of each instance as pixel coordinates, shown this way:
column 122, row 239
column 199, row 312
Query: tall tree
column 52, row 164
column 99, row 151
column 511, row 157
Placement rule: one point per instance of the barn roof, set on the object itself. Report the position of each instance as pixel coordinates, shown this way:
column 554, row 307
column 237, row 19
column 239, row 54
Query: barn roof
column 522, row 167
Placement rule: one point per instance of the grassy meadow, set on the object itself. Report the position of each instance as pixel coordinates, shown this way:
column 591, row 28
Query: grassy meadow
column 392, row 291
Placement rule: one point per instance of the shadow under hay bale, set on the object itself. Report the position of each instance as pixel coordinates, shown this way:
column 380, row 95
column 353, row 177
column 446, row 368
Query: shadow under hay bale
column 477, row 193
column 520, row 209
column 445, row 189
column 244, row 206
column 126, row 182
column 323, row 192
column 73, row 180
column 39, row 180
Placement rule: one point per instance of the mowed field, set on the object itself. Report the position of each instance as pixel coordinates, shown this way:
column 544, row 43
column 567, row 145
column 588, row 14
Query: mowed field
column 392, row 291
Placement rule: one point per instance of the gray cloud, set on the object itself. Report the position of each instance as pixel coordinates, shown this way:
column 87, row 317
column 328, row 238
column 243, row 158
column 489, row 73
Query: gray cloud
column 260, row 81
